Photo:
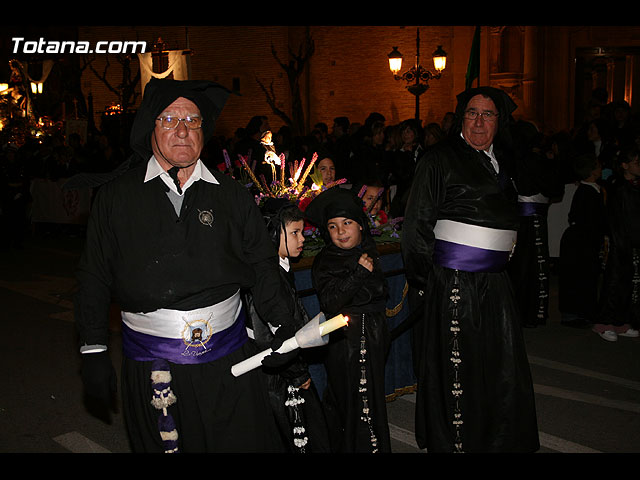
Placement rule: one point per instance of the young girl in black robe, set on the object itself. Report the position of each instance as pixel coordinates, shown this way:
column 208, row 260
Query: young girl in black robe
column 348, row 280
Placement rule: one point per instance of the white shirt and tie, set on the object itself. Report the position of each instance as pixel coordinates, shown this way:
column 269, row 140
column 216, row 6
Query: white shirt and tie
column 200, row 172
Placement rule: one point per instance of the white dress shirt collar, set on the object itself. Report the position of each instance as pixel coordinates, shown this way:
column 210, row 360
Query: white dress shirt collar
column 200, row 172
column 592, row 184
column 284, row 263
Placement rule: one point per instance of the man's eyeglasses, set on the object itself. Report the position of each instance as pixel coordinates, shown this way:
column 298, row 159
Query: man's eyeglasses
column 191, row 122
column 472, row 115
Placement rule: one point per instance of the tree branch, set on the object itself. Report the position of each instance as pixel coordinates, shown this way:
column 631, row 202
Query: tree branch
column 271, row 100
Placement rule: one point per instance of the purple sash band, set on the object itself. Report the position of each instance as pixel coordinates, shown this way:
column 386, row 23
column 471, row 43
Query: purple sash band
column 469, row 259
column 526, row 209
column 144, row 347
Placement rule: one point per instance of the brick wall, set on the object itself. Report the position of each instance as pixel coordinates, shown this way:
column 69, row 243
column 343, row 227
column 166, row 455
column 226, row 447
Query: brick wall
column 348, row 75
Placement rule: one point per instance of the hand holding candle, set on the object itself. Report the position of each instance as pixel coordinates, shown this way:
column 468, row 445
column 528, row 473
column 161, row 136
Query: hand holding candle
column 313, row 334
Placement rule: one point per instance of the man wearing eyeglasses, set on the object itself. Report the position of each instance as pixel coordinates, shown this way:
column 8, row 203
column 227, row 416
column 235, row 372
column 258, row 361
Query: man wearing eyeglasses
column 177, row 140
column 173, row 244
column 475, row 392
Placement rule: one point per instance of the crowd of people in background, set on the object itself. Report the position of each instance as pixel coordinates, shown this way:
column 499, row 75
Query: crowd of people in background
column 363, row 151
column 368, row 151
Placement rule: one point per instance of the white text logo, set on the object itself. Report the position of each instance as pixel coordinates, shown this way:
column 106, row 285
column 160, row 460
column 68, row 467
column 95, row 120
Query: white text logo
column 20, row 45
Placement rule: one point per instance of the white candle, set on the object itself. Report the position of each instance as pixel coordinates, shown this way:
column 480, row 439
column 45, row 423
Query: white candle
column 308, row 336
column 333, row 324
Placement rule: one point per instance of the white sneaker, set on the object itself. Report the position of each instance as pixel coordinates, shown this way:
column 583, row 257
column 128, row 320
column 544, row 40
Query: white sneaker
column 609, row 335
column 630, row 332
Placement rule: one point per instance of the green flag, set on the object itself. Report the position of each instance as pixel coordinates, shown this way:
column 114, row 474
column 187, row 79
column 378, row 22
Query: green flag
column 473, row 68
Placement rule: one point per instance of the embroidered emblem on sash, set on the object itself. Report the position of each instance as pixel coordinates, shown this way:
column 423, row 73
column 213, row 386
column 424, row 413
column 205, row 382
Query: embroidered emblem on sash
column 205, row 217
column 196, row 334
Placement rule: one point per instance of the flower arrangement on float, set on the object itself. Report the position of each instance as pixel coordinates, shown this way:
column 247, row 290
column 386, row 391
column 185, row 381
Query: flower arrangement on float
column 291, row 182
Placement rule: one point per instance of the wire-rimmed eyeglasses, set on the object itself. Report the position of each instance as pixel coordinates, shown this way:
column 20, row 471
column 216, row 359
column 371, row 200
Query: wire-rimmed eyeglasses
column 473, row 114
column 192, row 122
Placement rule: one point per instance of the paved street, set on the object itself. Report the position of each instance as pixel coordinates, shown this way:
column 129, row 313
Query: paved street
column 587, row 389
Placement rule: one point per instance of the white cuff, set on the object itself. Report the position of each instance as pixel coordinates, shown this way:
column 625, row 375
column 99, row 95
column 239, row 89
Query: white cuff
column 93, row 348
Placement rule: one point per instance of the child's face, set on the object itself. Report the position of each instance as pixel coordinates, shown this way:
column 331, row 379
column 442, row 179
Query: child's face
column 291, row 239
column 369, row 197
column 344, row 232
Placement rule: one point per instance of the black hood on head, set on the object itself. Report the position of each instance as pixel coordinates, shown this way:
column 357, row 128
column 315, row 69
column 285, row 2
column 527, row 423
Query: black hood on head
column 210, row 98
column 505, row 105
column 272, row 211
column 336, row 202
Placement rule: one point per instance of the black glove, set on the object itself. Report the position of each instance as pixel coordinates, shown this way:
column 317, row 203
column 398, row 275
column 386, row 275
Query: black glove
column 275, row 359
column 100, row 383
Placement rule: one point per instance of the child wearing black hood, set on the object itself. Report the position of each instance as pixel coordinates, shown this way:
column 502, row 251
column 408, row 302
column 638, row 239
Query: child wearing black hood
column 348, row 280
column 294, row 399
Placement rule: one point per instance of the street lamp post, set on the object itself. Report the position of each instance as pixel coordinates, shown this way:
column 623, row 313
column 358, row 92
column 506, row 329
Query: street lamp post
column 417, row 76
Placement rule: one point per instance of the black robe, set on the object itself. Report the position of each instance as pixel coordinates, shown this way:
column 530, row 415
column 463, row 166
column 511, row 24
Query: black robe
column 343, row 286
column 143, row 256
column 293, row 407
column 581, row 254
column 529, row 267
column 620, row 298
column 490, row 406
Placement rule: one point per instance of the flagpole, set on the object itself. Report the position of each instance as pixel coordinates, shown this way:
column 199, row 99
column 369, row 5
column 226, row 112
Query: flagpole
column 478, row 79
column 473, row 67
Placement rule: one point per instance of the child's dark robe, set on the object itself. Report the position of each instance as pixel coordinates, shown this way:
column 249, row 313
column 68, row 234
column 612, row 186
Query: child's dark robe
column 343, row 286
column 580, row 253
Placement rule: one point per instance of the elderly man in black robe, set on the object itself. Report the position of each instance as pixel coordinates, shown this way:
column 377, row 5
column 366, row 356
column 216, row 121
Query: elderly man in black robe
column 475, row 391
column 172, row 244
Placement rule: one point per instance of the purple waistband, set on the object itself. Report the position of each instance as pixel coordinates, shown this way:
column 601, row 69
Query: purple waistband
column 526, row 209
column 469, row 259
column 144, row 347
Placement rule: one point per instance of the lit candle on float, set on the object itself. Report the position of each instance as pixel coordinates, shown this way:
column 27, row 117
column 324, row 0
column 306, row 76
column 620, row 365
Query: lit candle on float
column 313, row 334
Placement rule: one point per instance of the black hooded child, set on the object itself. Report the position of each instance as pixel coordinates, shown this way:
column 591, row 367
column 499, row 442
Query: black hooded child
column 348, row 280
